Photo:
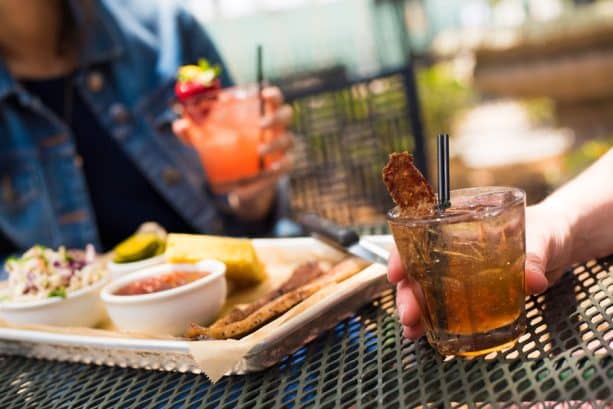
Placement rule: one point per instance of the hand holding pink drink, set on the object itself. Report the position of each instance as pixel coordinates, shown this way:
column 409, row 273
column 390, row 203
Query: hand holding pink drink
column 225, row 125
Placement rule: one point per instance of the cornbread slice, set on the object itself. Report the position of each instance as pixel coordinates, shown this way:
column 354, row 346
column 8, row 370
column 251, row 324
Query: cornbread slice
column 242, row 263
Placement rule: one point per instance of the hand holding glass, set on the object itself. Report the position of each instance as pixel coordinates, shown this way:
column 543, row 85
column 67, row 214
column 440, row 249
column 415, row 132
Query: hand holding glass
column 229, row 137
column 469, row 264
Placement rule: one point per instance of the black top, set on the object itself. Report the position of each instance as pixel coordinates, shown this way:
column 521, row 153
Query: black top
column 121, row 196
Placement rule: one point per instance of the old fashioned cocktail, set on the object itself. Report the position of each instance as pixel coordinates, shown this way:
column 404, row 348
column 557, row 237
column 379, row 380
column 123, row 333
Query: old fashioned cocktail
column 469, row 263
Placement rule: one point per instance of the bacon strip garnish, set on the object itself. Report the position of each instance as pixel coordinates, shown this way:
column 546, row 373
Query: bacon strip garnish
column 408, row 187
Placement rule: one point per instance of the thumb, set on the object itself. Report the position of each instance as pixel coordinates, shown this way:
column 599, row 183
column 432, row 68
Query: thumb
column 536, row 279
column 181, row 128
column 537, row 251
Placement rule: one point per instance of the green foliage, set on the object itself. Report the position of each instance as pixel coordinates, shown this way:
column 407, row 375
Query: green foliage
column 541, row 111
column 443, row 97
column 586, row 154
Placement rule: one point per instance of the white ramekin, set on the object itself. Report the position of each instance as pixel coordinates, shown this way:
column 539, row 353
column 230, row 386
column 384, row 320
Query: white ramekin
column 80, row 308
column 168, row 312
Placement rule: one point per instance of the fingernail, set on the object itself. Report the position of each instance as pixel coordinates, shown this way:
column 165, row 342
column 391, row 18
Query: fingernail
column 402, row 311
column 532, row 266
column 538, row 282
column 265, row 121
column 412, row 332
column 541, row 284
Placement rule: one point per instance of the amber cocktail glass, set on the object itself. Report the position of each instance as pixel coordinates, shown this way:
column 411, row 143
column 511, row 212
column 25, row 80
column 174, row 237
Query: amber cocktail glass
column 468, row 262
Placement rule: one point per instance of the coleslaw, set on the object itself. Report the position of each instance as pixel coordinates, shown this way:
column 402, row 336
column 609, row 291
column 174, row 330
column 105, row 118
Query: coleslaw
column 42, row 272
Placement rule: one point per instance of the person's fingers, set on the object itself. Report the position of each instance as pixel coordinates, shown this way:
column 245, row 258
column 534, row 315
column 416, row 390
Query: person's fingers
column 281, row 117
column 273, row 96
column 414, row 332
column 536, row 279
column 250, row 186
column 282, row 143
column 251, row 202
column 180, row 127
column 395, row 270
column 257, row 187
column 408, row 309
column 280, row 167
column 407, row 305
column 553, row 276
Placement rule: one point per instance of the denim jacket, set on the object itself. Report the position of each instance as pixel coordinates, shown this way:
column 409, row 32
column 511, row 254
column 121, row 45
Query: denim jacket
column 126, row 74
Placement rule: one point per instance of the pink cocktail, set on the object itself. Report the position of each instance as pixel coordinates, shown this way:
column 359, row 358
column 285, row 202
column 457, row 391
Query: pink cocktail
column 228, row 136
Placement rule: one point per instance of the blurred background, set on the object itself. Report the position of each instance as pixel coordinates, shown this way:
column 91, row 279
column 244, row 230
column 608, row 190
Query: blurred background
column 523, row 87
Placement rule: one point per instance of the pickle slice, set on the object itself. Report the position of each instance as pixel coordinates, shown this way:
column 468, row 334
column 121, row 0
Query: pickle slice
column 138, row 247
column 161, row 247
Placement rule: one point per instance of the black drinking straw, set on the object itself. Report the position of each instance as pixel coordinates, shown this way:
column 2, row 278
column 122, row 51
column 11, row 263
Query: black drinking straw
column 443, row 171
column 260, row 78
column 436, row 236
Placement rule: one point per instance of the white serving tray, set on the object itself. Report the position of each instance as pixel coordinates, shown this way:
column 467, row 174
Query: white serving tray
column 175, row 355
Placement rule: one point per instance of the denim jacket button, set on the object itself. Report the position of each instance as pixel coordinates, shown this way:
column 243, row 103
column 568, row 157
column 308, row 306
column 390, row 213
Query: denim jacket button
column 95, row 81
column 171, row 176
column 78, row 161
column 119, row 113
column 121, row 133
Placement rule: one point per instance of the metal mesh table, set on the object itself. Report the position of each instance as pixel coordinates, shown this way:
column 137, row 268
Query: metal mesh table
column 566, row 356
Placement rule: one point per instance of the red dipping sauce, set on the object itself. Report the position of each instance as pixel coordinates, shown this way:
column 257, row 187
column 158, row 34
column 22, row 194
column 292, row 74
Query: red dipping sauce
column 159, row 283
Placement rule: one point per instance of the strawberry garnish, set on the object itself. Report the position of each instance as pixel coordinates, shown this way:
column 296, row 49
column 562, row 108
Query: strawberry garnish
column 197, row 79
